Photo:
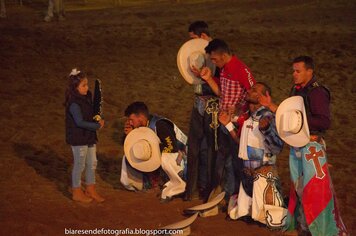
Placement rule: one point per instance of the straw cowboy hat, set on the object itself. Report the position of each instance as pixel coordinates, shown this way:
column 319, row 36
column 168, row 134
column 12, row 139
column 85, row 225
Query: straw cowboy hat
column 183, row 225
column 192, row 53
column 292, row 123
column 207, row 209
column 142, row 150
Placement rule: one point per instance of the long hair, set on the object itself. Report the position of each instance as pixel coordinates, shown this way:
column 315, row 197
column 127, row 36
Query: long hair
column 73, row 83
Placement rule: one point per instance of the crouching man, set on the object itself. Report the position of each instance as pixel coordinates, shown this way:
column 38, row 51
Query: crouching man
column 152, row 142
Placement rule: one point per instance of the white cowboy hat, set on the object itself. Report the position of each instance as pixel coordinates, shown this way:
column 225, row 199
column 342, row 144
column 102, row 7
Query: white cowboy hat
column 192, row 53
column 210, row 207
column 142, row 150
column 182, row 225
column 292, row 123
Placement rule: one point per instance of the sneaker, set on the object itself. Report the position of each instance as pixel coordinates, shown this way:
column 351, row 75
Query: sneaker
column 48, row 18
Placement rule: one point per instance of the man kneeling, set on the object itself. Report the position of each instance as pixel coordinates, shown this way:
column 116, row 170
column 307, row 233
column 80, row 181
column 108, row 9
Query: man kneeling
column 152, row 142
column 259, row 194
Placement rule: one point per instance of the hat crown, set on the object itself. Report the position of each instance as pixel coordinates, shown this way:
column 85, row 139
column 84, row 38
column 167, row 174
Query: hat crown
column 293, row 121
column 142, row 150
column 197, row 60
column 192, row 53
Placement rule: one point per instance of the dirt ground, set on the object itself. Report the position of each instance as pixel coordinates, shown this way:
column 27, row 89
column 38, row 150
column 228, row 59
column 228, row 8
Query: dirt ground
column 133, row 49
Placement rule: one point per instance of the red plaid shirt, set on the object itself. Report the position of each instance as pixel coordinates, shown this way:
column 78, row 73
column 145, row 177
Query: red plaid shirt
column 235, row 79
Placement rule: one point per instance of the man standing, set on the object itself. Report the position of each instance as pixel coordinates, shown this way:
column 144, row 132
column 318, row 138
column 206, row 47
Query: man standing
column 312, row 199
column 201, row 140
column 235, row 77
column 231, row 86
column 172, row 146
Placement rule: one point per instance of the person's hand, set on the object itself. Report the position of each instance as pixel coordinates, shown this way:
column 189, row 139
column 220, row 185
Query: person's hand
column 224, row 117
column 265, row 100
column 127, row 128
column 195, row 71
column 101, row 123
column 264, row 122
column 205, row 73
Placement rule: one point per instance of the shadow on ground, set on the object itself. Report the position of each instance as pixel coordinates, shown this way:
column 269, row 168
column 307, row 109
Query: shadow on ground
column 47, row 163
column 109, row 169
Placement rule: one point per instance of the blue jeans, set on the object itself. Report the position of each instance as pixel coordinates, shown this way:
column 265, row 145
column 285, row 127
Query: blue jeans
column 201, row 152
column 84, row 158
column 228, row 165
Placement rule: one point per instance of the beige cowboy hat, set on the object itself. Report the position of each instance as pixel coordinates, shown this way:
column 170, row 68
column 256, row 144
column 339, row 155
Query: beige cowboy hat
column 183, row 225
column 192, row 53
column 142, row 150
column 207, row 209
column 292, row 123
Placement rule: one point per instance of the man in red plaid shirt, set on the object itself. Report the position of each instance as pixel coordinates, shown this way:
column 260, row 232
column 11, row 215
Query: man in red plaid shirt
column 235, row 77
column 232, row 85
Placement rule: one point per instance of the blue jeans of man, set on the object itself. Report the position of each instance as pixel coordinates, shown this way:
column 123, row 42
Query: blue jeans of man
column 228, row 166
column 201, row 153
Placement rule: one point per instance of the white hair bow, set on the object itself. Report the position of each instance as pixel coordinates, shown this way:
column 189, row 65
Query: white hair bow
column 74, row 72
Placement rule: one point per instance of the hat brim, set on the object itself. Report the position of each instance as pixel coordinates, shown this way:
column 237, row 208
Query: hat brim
column 188, row 48
column 301, row 138
column 206, row 206
column 182, row 224
column 147, row 134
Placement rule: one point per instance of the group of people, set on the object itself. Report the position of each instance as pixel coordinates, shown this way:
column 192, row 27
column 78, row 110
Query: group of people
column 234, row 138
column 55, row 10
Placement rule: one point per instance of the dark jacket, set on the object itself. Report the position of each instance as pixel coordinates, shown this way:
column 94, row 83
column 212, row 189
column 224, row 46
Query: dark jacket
column 76, row 135
column 317, row 105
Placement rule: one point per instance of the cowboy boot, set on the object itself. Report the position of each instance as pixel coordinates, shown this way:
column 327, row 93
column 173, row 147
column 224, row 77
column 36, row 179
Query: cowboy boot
column 79, row 196
column 91, row 192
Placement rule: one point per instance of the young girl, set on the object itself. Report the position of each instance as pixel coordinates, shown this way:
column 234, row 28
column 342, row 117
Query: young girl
column 81, row 135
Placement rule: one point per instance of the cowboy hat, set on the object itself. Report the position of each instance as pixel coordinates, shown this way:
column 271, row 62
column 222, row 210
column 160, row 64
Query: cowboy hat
column 182, row 225
column 142, row 150
column 292, row 123
column 192, row 53
column 207, row 209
